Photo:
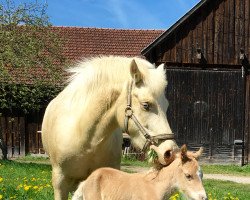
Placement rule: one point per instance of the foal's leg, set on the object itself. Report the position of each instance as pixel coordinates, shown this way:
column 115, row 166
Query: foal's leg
column 61, row 184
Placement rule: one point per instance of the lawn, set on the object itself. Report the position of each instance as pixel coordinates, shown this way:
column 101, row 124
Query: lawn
column 227, row 169
column 32, row 181
column 25, row 181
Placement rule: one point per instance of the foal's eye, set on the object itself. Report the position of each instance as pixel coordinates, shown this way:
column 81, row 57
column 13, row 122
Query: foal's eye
column 188, row 176
column 146, row 106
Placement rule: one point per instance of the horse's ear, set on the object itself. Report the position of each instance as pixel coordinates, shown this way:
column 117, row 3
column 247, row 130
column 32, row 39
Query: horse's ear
column 184, row 156
column 161, row 67
column 135, row 72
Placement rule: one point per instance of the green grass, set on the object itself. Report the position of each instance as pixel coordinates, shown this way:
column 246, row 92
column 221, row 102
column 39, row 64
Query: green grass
column 223, row 190
column 34, row 159
column 207, row 169
column 218, row 189
column 132, row 161
column 227, row 169
column 27, row 181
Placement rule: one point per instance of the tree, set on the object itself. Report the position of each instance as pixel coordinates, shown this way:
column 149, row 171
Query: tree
column 30, row 56
column 27, row 39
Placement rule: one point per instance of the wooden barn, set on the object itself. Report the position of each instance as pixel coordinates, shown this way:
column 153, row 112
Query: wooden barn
column 21, row 132
column 207, row 55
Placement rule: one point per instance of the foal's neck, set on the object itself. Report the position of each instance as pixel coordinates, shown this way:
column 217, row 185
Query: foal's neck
column 165, row 180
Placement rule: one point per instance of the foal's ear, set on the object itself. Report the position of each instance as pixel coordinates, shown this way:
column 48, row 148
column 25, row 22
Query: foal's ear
column 184, row 156
column 198, row 153
column 135, row 72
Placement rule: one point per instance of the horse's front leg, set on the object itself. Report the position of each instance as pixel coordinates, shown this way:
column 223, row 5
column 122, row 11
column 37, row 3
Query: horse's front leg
column 61, row 184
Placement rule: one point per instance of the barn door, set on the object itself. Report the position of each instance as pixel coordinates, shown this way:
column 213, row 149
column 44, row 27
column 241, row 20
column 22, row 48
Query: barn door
column 21, row 133
column 33, row 133
column 13, row 134
column 247, row 120
column 207, row 109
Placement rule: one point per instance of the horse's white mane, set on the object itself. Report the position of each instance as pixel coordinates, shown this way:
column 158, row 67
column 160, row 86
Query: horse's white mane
column 99, row 71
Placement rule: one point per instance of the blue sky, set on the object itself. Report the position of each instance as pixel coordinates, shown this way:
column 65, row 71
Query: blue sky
column 121, row 14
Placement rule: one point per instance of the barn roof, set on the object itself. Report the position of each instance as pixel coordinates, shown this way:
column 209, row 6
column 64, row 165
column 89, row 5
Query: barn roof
column 79, row 43
column 88, row 42
column 168, row 32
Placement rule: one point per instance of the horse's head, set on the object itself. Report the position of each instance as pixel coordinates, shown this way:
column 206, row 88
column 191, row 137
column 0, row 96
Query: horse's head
column 145, row 105
column 189, row 174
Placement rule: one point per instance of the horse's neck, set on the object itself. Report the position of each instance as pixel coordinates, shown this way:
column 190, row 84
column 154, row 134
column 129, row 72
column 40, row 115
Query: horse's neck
column 165, row 179
column 98, row 118
column 93, row 110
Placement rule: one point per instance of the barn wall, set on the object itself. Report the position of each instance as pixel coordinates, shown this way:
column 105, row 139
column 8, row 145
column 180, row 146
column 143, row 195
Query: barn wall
column 21, row 133
column 33, row 128
column 247, row 120
column 220, row 29
column 206, row 109
column 13, row 134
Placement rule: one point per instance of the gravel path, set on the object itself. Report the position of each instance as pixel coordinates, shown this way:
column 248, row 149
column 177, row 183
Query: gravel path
column 223, row 177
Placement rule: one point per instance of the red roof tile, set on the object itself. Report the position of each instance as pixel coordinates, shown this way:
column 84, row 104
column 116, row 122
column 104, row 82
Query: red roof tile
column 88, row 42
column 79, row 43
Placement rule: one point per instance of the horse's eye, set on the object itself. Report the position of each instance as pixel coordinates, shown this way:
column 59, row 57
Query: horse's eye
column 146, row 106
column 188, row 176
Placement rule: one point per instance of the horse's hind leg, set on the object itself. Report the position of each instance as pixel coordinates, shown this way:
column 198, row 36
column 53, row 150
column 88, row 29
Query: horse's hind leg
column 61, row 184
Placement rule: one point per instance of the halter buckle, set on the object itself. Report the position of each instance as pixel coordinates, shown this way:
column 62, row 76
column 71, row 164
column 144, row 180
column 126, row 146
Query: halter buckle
column 128, row 111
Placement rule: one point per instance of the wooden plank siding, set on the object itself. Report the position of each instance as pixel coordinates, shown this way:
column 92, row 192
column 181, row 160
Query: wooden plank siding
column 208, row 107
column 13, row 134
column 33, row 127
column 20, row 133
column 247, row 120
column 220, row 29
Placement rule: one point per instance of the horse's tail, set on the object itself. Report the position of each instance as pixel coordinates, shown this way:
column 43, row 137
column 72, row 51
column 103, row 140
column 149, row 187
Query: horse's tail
column 78, row 194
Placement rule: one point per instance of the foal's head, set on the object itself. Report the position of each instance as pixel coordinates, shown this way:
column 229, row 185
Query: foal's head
column 183, row 167
column 189, row 174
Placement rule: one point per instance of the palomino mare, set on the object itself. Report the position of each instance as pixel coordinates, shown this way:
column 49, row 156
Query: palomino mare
column 79, row 130
column 182, row 173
